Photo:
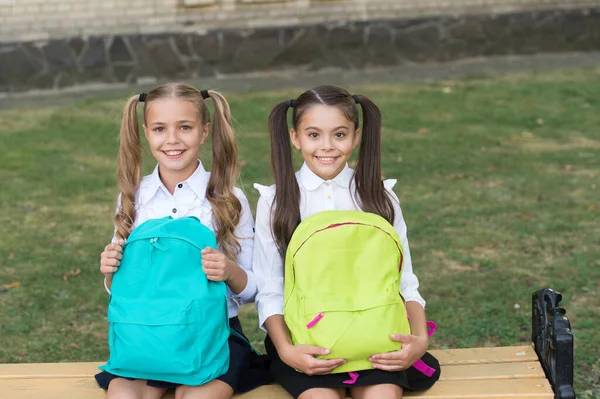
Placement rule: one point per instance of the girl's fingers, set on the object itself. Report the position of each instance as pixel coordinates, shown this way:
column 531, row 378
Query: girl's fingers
column 213, row 258
column 110, row 262
column 213, row 265
column 108, row 269
column 387, row 356
column 387, row 368
column 114, row 254
column 390, row 362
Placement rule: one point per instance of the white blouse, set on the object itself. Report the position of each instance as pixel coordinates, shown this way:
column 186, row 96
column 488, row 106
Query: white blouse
column 316, row 195
column 154, row 201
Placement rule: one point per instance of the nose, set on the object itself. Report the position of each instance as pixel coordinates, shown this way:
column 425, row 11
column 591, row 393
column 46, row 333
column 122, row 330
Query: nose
column 173, row 136
column 327, row 143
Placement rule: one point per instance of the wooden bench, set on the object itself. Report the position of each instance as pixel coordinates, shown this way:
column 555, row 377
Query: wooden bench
column 543, row 369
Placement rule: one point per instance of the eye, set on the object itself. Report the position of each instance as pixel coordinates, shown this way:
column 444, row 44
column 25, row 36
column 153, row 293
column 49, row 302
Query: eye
column 185, row 127
column 159, row 129
column 340, row 135
column 313, row 135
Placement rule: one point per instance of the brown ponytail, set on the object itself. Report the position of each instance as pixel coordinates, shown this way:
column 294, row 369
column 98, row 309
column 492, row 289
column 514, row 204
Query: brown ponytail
column 129, row 168
column 226, row 206
column 286, row 216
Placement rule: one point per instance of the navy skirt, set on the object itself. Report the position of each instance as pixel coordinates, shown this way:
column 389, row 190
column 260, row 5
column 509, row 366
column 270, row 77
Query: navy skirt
column 296, row 382
column 247, row 369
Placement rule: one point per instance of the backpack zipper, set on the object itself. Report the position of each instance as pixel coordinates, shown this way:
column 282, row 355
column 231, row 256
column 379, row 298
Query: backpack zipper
column 333, row 226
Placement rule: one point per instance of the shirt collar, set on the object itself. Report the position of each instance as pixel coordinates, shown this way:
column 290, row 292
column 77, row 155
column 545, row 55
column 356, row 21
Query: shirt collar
column 311, row 181
column 197, row 182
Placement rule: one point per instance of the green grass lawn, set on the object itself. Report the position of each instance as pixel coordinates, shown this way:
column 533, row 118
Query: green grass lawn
column 498, row 178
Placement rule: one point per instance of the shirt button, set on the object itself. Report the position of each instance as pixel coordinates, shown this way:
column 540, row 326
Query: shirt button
column 329, row 197
column 174, row 210
column 327, row 184
column 180, row 185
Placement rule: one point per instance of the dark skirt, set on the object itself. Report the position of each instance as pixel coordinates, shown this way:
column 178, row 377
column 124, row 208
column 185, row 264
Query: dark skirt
column 296, row 382
column 247, row 369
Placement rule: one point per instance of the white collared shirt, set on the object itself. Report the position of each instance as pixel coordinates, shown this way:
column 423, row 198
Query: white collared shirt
column 316, row 195
column 154, row 201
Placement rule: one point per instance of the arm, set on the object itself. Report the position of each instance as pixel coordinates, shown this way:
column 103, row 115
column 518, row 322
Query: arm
column 267, row 265
column 243, row 281
column 414, row 346
column 110, row 258
column 238, row 275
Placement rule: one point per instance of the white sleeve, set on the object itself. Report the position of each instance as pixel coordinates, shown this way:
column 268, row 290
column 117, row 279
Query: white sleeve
column 114, row 237
column 409, row 284
column 244, row 232
column 267, row 262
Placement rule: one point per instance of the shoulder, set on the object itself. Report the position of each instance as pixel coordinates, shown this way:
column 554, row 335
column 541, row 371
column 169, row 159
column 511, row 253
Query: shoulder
column 142, row 194
column 264, row 205
column 146, row 190
column 388, row 185
column 266, row 192
column 240, row 195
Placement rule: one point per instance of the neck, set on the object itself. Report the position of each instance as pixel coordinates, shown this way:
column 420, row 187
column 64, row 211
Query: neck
column 170, row 178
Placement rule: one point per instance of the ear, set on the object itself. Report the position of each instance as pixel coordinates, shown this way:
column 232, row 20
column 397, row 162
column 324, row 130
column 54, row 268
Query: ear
column 204, row 133
column 145, row 131
column 356, row 138
column 294, row 138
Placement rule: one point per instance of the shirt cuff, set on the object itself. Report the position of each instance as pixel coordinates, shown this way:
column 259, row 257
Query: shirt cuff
column 106, row 287
column 248, row 293
column 266, row 310
column 420, row 301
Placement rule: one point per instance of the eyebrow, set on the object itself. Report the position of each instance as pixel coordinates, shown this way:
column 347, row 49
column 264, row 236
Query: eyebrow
column 163, row 123
column 316, row 128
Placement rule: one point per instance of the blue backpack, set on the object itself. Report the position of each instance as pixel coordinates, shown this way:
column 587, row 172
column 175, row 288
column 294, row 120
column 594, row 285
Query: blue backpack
column 167, row 321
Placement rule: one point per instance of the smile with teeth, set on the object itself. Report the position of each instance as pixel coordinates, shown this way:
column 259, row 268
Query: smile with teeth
column 326, row 159
column 173, row 153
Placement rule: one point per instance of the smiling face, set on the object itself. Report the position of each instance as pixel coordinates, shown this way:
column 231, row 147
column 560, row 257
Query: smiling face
column 175, row 132
column 326, row 138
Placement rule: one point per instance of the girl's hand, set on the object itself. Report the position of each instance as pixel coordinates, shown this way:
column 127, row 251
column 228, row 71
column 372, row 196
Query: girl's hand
column 110, row 258
column 413, row 348
column 301, row 357
column 216, row 265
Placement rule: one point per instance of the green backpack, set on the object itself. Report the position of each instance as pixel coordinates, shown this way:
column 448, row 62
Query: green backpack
column 168, row 322
column 342, row 286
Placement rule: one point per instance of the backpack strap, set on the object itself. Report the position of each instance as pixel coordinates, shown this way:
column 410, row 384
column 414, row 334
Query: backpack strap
column 421, row 365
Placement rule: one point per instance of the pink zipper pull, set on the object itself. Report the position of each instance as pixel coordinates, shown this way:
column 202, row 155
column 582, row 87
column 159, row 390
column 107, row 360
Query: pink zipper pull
column 315, row 320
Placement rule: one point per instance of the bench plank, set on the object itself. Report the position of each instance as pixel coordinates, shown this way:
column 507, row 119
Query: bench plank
column 507, row 354
column 502, row 354
column 450, row 372
column 493, row 371
column 86, row 388
column 485, row 373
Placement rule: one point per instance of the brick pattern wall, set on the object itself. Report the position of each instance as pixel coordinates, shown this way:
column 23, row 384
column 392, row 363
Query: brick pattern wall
column 38, row 20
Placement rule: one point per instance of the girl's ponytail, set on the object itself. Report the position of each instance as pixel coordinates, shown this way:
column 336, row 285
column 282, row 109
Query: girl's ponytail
column 129, row 168
column 225, row 205
column 286, row 216
column 369, row 186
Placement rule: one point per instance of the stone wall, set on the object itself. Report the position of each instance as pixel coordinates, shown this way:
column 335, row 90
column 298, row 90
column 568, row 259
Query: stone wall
column 74, row 42
column 29, row 20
